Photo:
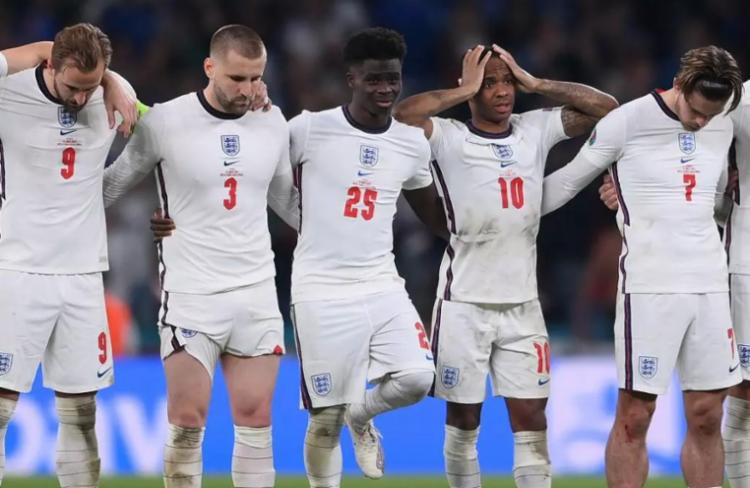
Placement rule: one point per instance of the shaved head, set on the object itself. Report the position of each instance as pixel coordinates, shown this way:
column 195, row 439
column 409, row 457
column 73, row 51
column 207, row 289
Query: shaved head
column 238, row 38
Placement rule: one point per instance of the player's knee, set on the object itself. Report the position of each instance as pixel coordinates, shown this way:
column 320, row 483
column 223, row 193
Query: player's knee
column 253, row 414
column 414, row 385
column 704, row 417
column 188, row 416
column 634, row 415
column 465, row 417
column 324, row 427
column 528, row 415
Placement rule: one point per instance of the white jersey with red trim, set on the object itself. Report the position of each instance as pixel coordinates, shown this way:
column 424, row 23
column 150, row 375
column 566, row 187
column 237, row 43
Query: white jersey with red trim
column 349, row 180
column 214, row 172
column 668, row 179
column 51, row 167
column 491, row 185
column 737, row 234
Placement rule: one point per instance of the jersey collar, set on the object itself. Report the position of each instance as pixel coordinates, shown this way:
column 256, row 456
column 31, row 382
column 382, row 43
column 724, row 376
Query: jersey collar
column 39, row 72
column 357, row 125
column 212, row 111
column 663, row 105
column 489, row 135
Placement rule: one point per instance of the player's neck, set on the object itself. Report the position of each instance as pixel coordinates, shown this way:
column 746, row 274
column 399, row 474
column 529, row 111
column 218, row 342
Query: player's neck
column 491, row 127
column 368, row 119
column 49, row 81
column 670, row 99
column 210, row 96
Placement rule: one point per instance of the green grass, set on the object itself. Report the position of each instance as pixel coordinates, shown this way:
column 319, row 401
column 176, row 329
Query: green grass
column 349, row 482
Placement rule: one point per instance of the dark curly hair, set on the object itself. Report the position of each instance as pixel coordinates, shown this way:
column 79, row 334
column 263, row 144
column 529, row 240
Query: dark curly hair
column 374, row 43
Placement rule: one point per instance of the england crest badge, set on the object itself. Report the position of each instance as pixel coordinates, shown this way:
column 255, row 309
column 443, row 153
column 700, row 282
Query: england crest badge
column 368, row 155
column 66, row 118
column 6, row 362
column 449, row 376
column 686, row 142
column 230, row 144
column 322, row 384
column 647, row 366
column 502, row 151
column 744, row 352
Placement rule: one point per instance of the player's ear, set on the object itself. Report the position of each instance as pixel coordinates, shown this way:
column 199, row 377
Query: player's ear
column 208, row 67
column 350, row 78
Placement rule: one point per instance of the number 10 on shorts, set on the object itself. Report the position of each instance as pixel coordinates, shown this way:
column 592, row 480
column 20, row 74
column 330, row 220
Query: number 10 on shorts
column 542, row 354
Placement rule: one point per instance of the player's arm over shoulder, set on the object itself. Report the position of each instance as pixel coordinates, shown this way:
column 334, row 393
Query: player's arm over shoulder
column 19, row 58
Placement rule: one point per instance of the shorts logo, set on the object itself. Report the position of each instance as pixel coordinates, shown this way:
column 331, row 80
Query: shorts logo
column 188, row 333
column 449, row 376
column 230, row 144
column 686, row 141
column 322, row 384
column 502, row 151
column 647, row 366
column 6, row 362
column 744, row 352
column 66, row 118
column 368, row 155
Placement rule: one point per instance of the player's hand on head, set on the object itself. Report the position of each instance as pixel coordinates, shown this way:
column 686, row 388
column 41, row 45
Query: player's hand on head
column 161, row 226
column 118, row 99
column 608, row 194
column 473, row 68
column 260, row 98
column 524, row 80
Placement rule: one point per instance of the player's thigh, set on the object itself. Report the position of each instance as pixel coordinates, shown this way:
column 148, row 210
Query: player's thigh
column 708, row 358
column 649, row 330
column 250, row 382
column 78, row 358
column 399, row 341
column 520, row 360
column 333, row 338
column 29, row 306
column 188, row 388
column 461, row 346
column 740, row 308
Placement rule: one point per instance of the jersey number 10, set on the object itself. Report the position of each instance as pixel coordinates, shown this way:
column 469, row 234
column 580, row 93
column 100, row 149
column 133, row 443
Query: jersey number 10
column 515, row 188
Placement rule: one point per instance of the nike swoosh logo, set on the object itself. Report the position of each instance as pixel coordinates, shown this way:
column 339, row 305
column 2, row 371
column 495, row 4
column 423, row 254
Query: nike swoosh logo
column 428, row 357
column 64, row 132
column 731, row 370
column 543, row 382
column 364, row 173
column 505, row 164
column 229, row 163
column 100, row 374
column 685, row 160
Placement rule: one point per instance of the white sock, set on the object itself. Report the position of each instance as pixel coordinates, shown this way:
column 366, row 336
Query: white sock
column 398, row 390
column 252, row 459
column 323, row 463
column 7, row 406
column 737, row 442
column 183, row 459
column 531, row 464
column 461, row 462
column 77, row 457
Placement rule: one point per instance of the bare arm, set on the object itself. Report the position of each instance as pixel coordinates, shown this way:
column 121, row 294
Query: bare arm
column 417, row 109
column 583, row 105
column 426, row 204
column 27, row 56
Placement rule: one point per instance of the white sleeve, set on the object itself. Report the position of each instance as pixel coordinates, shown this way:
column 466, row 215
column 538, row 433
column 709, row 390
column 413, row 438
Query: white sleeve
column 602, row 149
column 549, row 121
column 422, row 176
column 722, row 201
column 139, row 158
column 299, row 129
column 3, row 66
column 283, row 197
column 437, row 138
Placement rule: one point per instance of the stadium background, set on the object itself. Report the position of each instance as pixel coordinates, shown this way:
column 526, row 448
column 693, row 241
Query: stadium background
column 624, row 48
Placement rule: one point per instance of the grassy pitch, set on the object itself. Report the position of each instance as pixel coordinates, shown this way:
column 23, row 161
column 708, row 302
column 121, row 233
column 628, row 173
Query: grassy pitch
column 349, row 482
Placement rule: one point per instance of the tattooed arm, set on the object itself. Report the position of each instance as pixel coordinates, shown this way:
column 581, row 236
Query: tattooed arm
column 583, row 105
column 417, row 109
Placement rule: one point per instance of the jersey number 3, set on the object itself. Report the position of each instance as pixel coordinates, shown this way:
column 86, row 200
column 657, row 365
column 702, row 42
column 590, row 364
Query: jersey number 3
column 231, row 185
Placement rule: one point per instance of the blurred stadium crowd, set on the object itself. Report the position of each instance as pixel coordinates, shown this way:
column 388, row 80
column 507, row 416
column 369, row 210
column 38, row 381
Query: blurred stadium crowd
column 626, row 48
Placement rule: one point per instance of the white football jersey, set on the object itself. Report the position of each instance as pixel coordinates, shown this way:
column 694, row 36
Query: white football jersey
column 737, row 232
column 213, row 175
column 51, row 167
column 491, row 185
column 668, row 179
column 349, row 179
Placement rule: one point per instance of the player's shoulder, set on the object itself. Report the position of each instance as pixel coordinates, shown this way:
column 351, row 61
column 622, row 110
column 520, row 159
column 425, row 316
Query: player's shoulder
column 449, row 126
